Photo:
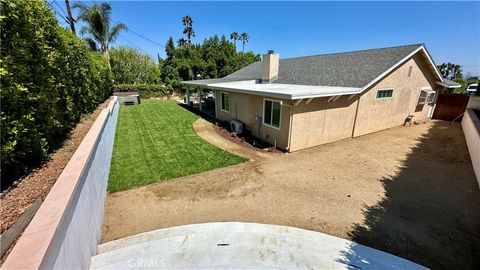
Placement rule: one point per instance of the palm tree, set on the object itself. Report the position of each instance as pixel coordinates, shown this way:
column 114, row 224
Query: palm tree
column 97, row 28
column 235, row 36
column 243, row 38
column 188, row 30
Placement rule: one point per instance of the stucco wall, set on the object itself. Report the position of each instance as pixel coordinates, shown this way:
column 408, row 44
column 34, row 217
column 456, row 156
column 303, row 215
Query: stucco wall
column 471, row 129
column 66, row 229
column 374, row 115
column 474, row 102
column 245, row 108
column 320, row 122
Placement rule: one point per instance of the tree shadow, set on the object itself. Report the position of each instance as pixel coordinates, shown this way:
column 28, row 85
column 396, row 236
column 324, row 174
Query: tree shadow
column 430, row 213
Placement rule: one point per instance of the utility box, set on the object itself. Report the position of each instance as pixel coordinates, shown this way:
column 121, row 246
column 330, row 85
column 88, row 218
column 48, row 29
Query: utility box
column 129, row 100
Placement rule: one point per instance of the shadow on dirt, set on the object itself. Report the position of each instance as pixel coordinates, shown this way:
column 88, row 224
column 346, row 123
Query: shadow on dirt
column 430, row 213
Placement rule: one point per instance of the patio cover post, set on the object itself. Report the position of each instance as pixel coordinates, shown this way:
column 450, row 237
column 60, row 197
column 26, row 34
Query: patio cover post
column 188, row 96
column 200, row 99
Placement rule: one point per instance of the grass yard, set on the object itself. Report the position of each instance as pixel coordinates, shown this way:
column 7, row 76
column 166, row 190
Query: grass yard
column 156, row 141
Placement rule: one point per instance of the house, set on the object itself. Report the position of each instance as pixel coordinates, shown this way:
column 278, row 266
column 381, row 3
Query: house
column 297, row 103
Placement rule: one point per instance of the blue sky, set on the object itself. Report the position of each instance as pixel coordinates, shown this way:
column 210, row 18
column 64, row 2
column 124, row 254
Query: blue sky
column 451, row 30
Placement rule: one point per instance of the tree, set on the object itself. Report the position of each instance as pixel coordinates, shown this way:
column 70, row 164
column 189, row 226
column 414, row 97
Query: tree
column 131, row 66
column 97, row 28
column 244, row 39
column 451, row 71
column 169, row 73
column 188, row 28
column 234, row 36
column 182, row 42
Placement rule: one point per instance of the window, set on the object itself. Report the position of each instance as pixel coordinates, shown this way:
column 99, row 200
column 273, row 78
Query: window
column 427, row 96
column 384, row 93
column 430, row 97
column 225, row 101
column 271, row 113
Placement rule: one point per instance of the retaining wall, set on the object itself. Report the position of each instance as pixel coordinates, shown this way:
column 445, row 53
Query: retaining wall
column 65, row 232
column 471, row 129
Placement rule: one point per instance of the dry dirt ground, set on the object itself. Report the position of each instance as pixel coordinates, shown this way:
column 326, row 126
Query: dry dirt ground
column 410, row 191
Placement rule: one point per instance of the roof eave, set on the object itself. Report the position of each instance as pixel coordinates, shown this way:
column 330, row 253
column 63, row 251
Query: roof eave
column 253, row 92
column 386, row 72
column 448, row 85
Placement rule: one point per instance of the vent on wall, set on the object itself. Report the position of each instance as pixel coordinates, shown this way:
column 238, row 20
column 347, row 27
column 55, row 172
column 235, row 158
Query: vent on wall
column 410, row 71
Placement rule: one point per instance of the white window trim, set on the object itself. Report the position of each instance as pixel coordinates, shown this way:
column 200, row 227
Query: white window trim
column 221, row 101
column 385, row 98
column 271, row 116
column 429, row 91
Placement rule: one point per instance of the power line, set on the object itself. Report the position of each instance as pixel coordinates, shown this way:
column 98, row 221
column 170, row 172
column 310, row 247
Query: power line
column 65, row 17
column 142, row 36
column 56, row 11
column 63, row 11
column 133, row 44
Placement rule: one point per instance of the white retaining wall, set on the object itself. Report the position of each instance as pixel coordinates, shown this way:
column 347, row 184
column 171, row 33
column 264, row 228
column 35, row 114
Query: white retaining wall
column 65, row 232
column 471, row 129
column 83, row 232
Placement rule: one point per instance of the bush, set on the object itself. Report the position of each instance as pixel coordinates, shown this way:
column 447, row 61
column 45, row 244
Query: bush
column 49, row 79
column 144, row 90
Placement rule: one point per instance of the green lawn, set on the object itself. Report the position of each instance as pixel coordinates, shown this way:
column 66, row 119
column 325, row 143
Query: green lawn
column 156, row 141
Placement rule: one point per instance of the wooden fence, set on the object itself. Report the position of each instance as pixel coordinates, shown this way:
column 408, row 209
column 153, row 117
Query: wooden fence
column 450, row 106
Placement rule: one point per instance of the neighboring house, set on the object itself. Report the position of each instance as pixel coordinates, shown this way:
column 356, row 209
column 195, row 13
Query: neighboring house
column 302, row 102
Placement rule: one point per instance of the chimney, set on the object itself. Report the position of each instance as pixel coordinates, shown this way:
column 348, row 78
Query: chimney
column 270, row 65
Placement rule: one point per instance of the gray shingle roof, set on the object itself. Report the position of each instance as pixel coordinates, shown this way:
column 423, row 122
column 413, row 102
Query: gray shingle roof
column 346, row 69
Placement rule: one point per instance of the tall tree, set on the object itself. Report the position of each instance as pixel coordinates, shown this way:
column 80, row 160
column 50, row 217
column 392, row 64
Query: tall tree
column 451, row 71
column 188, row 28
column 244, row 39
column 97, row 25
column 131, row 66
column 234, row 36
column 182, row 42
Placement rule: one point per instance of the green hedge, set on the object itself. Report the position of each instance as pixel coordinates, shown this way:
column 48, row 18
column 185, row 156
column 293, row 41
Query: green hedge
column 144, row 90
column 49, row 79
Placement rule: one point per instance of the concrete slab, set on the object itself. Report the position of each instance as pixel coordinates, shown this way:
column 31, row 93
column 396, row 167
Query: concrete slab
column 237, row 245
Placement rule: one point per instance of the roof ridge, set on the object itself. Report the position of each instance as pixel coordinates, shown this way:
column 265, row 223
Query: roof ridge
column 364, row 50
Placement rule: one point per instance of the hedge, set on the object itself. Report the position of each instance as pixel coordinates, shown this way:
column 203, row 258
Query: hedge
column 144, row 90
column 49, row 79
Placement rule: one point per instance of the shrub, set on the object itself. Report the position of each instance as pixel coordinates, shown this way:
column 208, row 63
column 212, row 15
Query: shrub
column 144, row 90
column 49, row 79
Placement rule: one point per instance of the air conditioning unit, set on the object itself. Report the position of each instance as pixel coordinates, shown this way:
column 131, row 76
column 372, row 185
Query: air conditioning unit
column 236, row 127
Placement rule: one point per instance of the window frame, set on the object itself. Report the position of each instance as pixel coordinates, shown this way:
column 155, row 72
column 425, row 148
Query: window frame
column 221, row 101
column 271, row 114
column 384, row 89
column 429, row 93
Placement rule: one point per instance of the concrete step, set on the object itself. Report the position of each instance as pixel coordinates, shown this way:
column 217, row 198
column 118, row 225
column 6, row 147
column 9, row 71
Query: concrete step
column 240, row 245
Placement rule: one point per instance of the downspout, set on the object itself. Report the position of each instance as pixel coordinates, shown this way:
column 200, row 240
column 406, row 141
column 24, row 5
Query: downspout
column 290, row 126
column 356, row 115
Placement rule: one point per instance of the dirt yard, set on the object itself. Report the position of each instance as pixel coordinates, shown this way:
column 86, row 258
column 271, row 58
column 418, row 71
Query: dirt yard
column 410, row 191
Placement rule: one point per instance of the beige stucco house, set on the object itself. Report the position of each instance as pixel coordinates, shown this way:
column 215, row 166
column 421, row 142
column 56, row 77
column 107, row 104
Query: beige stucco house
column 297, row 103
